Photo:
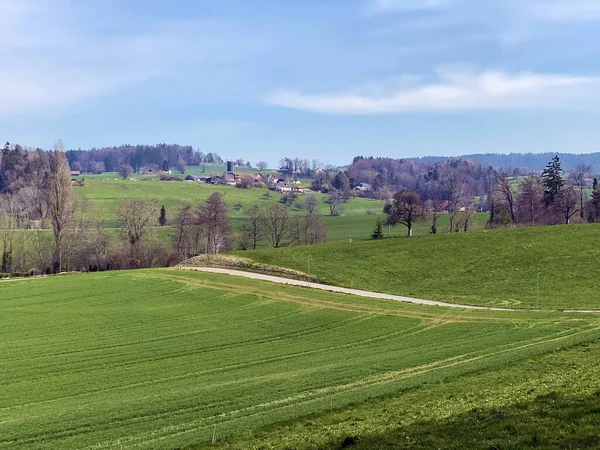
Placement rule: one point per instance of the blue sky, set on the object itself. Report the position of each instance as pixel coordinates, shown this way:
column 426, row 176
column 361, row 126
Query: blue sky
column 326, row 79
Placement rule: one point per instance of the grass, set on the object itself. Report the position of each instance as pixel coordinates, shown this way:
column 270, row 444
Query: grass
column 103, row 193
column 492, row 268
column 165, row 358
column 549, row 401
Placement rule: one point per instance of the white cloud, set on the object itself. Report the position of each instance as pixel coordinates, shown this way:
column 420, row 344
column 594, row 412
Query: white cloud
column 453, row 91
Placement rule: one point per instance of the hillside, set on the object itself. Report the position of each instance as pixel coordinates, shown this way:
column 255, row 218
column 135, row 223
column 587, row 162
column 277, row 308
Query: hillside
column 493, row 268
column 169, row 358
column 526, row 161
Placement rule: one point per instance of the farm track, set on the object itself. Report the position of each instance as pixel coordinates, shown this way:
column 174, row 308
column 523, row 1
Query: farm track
column 358, row 292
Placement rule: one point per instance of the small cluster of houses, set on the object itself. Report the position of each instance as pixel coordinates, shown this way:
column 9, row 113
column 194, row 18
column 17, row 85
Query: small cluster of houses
column 278, row 183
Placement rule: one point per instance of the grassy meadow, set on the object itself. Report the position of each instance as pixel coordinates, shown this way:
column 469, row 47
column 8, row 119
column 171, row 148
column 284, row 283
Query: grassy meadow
column 101, row 195
column 490, row 268
column 169, row 358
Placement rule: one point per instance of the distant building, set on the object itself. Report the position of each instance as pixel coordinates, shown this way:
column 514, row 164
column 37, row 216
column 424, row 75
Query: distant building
column 282, row 187
column 362, row 187
column 75, row 173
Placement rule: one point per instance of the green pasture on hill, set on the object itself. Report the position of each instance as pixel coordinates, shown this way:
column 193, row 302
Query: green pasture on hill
column 169, row 358
column 493, row 268
column 103, row 193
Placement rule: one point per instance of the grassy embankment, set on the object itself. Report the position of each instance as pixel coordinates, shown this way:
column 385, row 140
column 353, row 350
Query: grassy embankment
column 168, row 358
column 492, row 268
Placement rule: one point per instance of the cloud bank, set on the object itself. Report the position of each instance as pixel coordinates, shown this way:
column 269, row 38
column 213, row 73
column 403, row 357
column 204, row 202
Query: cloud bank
column 452, row 90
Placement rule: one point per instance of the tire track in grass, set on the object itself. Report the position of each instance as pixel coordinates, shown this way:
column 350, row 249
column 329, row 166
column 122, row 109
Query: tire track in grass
column 119, row 331
column 317, row 395
column 416, row 329
column 308, row 397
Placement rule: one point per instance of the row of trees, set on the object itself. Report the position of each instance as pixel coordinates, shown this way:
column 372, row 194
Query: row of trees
column 546, row 200
column 208, row 229
column 35, row 187
column 430, row 181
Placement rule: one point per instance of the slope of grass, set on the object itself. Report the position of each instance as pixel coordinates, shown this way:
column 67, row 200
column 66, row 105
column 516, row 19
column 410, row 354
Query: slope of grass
column 493, row 268
column 165, row 358
column 550, row 401
column 104, row 193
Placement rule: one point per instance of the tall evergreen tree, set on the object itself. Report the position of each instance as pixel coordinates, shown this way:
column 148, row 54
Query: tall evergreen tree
column 162, row 220
column 552, row 180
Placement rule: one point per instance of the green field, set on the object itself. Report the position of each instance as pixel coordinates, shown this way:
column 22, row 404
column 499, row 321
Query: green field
column 168, row 358
column 103, row 193
column 492, row 268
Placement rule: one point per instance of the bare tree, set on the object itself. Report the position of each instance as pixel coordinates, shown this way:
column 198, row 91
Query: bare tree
column 530, row 199
column 503, row 193
column 251, row 229
column 61, row 199
column 454, row 187
column 406, row 208
column 310, row 204
column 309, row 229
column 277, row 225
column 8, row 225
column 567, row 202
column 335, row 203
column 181, row 166
column 125, row 171
column 138, row 217
column 262, row 165
column 577, row 177
column 216, row 226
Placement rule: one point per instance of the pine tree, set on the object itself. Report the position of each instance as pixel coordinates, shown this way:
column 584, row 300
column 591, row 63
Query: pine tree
column 594, row 210
column 162, row 220
column 378, row 230
column 552, row 180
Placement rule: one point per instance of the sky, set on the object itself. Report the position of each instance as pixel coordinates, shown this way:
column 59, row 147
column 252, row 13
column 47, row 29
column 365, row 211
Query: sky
column 317, row 79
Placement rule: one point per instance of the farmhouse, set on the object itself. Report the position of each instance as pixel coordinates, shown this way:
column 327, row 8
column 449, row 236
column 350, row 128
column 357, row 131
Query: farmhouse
column 282, row 187
column 362, row 187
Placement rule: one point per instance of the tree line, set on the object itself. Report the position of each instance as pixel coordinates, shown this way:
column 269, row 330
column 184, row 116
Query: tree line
column 552, row 198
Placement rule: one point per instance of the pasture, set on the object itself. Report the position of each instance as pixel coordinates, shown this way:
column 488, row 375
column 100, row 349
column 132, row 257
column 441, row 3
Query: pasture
column 103, row 193
column 169, row 358
column 490, row 268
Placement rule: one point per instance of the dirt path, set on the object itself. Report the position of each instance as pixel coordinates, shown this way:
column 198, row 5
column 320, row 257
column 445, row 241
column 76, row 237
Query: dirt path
column 326, row 287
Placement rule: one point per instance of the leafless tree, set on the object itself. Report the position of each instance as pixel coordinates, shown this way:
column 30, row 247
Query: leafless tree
column 567, row 202
column 406, row 208
column 310, row 204
column 181, row 166
column 262, row 165
column 137, row 217
column 216, row 227
column 577, row 177
column 504, row 194
column 309, row 229
column 454, row 187
column 335, row 203
column 125, row 171
column 529, row 200
column 277, row 225
column 8, row 225
column 251, row 229
column 61, row 199
column 186, row 236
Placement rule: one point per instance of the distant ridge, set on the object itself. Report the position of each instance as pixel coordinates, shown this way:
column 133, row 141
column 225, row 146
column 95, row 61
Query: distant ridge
column 525, row 161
